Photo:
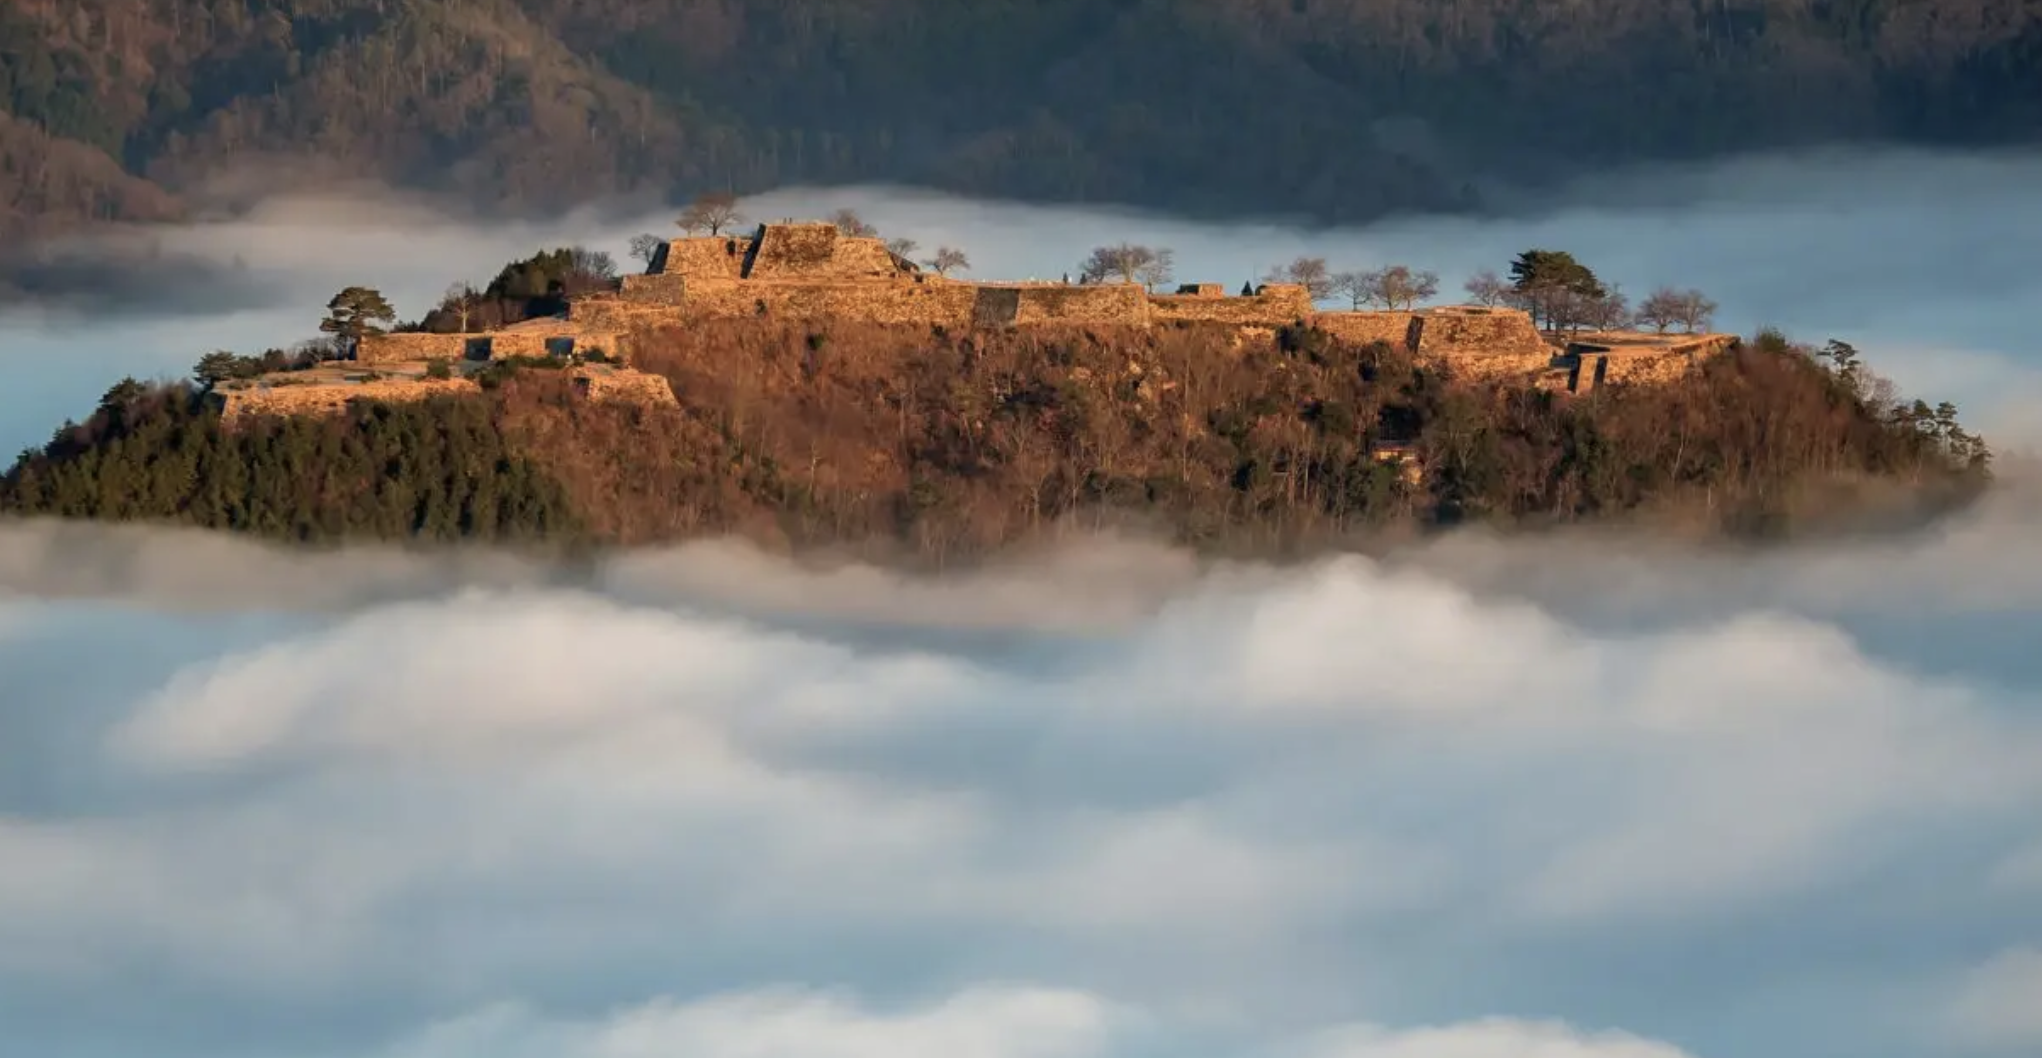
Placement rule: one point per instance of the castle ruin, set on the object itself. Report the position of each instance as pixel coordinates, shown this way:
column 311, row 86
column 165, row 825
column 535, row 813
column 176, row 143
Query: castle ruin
column 815, row 271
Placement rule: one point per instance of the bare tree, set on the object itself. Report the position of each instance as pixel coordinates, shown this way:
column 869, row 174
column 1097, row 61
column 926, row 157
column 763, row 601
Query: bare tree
column 904, row 248
column 593, row 266
column 1128, row 263
column 1404, row 288
column 712, row 212
column 459, row 302
column 1487, row 288
column 1353, row 286
column 1667, row 307
column 1697, row 311
column 1660, row 309
column 850, row 223
column 1609, row 312
column 1159, row 269
column 949, row 259
column 645, row 246
column 1391, row 287
column 1308, row 272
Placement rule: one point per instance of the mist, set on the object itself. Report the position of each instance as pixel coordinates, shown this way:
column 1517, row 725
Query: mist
column 1591, row 795
column 1927, row 263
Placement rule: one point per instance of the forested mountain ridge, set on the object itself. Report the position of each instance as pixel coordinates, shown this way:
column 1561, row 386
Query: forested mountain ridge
column 946, row 444
column 1342, row 108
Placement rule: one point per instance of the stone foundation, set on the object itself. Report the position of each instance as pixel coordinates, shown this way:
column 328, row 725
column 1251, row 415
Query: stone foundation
column 1273, row 305
column 1636, row 358
column 623, row 385
column 324, row 397
column 1367, row 328
column 531, row 339
column 1121, row 304
column 1455, row 330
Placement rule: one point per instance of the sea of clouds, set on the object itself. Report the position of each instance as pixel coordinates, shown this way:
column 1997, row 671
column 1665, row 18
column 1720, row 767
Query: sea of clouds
column 1589, row 796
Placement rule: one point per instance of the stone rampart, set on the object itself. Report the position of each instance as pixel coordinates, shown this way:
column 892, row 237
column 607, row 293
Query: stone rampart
column 1477, row 365
column 1458, row 330
column 1366, row 328
column 623, row 385
column 609, row 312
column 929, row 303
column 818, row 252
column 532, row 338
column 412, row 346
column 1105, row 303
column 669, row 288
column 327, row 398
column 1273, row 305
column 719, row 255
column 1641, row 359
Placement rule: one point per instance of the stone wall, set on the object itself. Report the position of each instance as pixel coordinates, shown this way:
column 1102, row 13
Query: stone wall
column 1273, row 305
column 1366, row 328
column 1468, row 329
column 1646, row 368
column 610, row 312
column 412, row 346
column 1641, row 359
column 1105, row 303
column 327, row 398
column 623, row 385
column 718, row 255
column 928, row 302
column 1500, row 366
column 669, row 288
column 532, row 338
column 818, row 252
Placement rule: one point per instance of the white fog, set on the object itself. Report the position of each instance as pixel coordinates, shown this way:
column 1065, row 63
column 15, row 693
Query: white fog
column 1584, row 797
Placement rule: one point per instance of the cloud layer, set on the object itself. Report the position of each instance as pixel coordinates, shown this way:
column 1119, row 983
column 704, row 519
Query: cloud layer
column 1406, row 808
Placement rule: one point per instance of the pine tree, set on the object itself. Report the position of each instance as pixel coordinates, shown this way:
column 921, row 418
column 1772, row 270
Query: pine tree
column 357, row 313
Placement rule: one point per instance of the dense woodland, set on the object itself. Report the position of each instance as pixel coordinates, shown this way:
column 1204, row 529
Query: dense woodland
column 950, row 445
column 1341, row 108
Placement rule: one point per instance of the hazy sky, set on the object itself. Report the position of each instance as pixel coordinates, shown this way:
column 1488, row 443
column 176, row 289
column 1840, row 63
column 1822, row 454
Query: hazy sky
column 1577, row 798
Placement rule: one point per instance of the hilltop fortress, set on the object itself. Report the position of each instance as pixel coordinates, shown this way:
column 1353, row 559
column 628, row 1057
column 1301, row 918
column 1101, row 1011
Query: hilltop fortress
column 815, row 271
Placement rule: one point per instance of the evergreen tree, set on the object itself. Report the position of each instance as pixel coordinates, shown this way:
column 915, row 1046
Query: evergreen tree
column 357, row 313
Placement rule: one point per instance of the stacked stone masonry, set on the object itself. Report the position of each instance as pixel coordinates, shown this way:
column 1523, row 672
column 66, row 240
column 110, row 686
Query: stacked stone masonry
column 285, row 396
column 1272, row 305
column 533, row 338
column 619, row 385
column 327, row 393
column 814, row 271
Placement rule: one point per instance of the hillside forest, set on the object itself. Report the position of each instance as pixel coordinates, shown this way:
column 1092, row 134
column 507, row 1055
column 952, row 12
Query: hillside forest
column 941, row 447
column 1338, row 109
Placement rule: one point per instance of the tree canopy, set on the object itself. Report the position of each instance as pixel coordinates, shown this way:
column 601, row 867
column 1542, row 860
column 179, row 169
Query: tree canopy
column 108, row 105
column 357, row 313
column 713, row 213
column 1148, row 265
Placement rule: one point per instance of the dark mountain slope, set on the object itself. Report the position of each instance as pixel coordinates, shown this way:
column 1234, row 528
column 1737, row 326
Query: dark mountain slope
column 1341, row 108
